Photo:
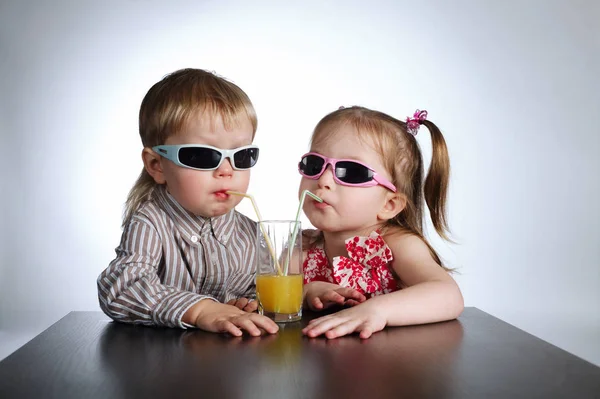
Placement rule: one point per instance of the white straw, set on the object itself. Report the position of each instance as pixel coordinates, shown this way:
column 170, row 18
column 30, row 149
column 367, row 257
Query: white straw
column 296, row 224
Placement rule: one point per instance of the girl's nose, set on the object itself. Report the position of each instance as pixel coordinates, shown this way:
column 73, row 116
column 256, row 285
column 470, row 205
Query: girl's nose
column 326, row 181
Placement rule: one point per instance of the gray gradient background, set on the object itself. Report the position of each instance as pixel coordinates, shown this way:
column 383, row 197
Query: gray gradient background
column 514, row 85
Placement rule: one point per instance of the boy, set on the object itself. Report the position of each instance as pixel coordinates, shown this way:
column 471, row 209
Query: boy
column 185, row 251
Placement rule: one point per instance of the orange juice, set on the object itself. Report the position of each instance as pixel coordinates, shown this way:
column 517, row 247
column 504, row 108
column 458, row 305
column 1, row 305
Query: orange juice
column 280, row 294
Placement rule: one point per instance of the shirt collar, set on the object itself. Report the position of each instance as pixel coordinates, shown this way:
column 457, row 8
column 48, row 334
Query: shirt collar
column 191, row 226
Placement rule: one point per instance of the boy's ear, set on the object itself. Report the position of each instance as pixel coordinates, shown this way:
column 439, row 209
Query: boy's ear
column 153, row 166
column 394, row 204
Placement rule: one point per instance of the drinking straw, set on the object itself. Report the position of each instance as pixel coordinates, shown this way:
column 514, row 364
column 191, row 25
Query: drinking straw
column 262, row 228
column 295, row 233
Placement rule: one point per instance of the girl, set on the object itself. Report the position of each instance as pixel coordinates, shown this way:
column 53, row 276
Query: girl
column 368, row 169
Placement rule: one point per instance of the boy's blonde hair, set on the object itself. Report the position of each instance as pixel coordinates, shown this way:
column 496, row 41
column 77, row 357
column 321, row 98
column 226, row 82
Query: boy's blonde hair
column 170, row 103
column 402, row 159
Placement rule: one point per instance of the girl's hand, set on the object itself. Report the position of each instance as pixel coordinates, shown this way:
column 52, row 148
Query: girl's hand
column 219, row 317
column 244, row 304
column 320, row 295
column 363, row 319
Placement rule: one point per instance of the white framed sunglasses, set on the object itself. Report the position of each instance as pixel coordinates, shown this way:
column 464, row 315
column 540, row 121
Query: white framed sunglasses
column 206, row 157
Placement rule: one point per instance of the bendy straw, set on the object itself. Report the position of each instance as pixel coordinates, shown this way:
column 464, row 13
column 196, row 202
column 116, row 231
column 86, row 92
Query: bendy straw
column 262, row 228
column 296, row 224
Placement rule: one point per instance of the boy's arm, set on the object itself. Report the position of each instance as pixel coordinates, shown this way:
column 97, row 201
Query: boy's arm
column 130, row 291
column 250, row 293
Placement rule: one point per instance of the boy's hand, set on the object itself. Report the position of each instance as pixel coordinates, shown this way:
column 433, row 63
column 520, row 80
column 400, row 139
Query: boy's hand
column 219, row 317
column 244, row 304
column 320, row 295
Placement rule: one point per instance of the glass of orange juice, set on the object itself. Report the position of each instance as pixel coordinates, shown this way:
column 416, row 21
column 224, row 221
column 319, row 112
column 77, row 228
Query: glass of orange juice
column 279, row 270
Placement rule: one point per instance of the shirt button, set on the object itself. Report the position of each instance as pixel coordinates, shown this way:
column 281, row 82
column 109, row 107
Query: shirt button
column 194, row 239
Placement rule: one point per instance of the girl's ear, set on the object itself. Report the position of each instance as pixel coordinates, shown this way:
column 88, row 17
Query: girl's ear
column 152, row 164
column 393, row 205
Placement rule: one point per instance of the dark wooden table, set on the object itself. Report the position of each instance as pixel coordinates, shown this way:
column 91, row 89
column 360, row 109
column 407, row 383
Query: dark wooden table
column 84, row 355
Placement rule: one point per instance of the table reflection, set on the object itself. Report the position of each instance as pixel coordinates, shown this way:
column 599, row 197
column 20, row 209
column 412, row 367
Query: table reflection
column 287, row 364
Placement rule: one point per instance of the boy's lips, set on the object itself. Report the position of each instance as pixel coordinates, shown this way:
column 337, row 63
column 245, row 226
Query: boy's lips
column 222, row 194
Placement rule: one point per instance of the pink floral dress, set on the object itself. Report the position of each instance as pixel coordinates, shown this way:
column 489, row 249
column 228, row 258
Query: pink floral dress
column 366, row 269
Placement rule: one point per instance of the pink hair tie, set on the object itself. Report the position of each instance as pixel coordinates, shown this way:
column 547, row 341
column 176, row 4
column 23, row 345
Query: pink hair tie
column 413, row 124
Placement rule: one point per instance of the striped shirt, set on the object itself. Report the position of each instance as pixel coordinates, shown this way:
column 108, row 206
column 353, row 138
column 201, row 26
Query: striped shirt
column 169, row 259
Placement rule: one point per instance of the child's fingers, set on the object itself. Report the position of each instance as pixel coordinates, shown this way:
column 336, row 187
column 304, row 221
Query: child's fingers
column 334, row 297
column 342, row 329
column 251, row 307
column 229, row 327
column 265, row 323
column 233, row 302
column 351, row 293
column 351, row 302
column 312, row 323
column 241, row 303
column 365, row 332
column 316, row 303
column 322, row 325
column 248, row 326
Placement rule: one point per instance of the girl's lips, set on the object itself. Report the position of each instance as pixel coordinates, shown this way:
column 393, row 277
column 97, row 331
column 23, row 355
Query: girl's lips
column 321, row 205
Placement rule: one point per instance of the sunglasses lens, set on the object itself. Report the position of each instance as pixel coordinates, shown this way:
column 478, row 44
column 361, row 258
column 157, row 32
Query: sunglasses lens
column 246, row 158
column 352, row 172
column 199, row 158
column 311, row 165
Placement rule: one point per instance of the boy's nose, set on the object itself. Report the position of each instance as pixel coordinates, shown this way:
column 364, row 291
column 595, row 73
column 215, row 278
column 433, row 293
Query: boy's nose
column 225, row 169
column 326, row 179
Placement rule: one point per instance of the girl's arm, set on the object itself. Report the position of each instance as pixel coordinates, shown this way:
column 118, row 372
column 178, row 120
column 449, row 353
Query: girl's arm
column 430, row 294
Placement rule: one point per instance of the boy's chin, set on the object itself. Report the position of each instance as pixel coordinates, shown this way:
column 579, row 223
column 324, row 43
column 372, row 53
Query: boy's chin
column 215, row 212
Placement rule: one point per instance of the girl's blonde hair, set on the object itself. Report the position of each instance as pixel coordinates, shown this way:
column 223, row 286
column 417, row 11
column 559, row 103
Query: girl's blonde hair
column 168, row 106
column 402, row 159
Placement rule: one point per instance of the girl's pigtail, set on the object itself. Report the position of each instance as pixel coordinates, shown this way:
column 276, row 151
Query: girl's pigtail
column 436, row 182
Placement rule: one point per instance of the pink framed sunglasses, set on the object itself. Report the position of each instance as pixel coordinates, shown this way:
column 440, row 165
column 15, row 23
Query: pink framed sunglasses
column 346, row 172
